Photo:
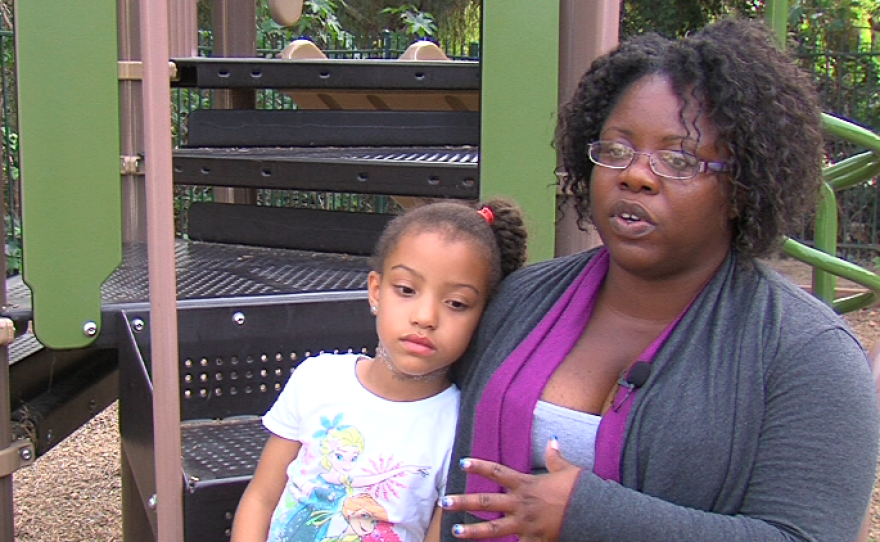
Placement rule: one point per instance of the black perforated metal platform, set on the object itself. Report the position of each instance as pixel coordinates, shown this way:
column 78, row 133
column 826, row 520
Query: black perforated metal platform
column 211, row 273
column 211, row 270
column 217, row 450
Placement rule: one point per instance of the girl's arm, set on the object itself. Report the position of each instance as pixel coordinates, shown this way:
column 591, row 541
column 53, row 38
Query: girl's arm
column 433, row 534
column 263, row 492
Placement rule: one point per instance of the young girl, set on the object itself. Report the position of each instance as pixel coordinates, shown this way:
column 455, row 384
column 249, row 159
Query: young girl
column 348, row 426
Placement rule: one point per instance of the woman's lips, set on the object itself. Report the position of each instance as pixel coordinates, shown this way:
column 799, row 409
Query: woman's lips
column 631, row 220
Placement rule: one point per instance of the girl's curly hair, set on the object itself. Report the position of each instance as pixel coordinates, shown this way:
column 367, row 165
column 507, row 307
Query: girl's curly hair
column 764, row 108
column 504, row 238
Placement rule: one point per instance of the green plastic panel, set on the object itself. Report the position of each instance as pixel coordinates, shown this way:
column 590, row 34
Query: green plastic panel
column 70, row 164
column 520, row 74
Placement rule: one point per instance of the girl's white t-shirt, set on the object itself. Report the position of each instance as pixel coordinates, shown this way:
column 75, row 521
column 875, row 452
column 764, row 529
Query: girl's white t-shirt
column 369, row 468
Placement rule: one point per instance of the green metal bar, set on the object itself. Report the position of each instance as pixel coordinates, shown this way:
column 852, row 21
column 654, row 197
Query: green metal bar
column 857, row 176
column 825, row 239
column 68, row 98
column 520, row 60
column 851, row 132
column 841, row 268
column 776, row 15
column 847, row 167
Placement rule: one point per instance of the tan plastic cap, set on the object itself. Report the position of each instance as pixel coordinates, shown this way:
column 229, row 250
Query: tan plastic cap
column 301, row 50
column 286, row 12
column 423, row 50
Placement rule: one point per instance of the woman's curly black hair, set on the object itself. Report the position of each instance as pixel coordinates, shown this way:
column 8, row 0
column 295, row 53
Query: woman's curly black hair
column 764, row 108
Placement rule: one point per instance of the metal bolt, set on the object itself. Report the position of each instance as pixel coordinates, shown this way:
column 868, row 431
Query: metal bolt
column 26, row 454
column 238, row 318
column 152, row 501
column 90, row 329
column 138, row 325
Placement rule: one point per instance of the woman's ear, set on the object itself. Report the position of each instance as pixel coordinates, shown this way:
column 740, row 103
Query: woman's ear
column 374, row 282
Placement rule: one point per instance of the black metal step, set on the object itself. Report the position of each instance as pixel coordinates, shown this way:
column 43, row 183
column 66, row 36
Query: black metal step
column 322, row 128
column 329, row 74
column 442, row 172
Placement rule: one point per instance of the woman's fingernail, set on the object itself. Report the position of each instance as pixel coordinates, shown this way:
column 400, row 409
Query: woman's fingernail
column 464, row 463
column 446, row 502
column 458, row 529
column 554, row 443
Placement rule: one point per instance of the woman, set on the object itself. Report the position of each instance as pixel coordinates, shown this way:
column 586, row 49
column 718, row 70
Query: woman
column 687, row 391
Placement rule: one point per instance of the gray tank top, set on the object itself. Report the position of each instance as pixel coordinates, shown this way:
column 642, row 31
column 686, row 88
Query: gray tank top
column 575, row 430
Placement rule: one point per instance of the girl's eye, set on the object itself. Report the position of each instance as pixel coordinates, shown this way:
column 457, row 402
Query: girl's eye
column 338, row 457
column 457, row 305
column 405, row 290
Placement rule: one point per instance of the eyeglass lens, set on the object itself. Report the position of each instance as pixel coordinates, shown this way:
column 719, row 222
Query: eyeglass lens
column 666, row 163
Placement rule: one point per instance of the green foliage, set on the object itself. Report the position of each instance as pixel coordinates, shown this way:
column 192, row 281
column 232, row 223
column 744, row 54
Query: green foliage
column 416, row 23
column 321, row 23
column 13, row 221
column 841, row 25
column 678, row 17
column 13, row 247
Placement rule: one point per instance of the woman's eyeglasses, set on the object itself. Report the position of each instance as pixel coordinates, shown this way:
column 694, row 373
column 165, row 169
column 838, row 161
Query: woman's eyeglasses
column 670, row 164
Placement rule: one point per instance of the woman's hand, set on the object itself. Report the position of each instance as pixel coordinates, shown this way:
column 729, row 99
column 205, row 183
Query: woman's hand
column 533, row 506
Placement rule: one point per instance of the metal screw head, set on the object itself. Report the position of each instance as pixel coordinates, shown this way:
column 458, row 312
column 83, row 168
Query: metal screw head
column 238, row 318
column 138, row 325
column 152, row 501
column 26, row 454
column 90, row 329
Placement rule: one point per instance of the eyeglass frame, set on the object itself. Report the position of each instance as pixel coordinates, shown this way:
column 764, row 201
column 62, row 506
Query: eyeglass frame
column 703, row 166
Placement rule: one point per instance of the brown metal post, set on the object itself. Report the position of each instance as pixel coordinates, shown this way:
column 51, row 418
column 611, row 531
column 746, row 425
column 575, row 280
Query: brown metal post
column 586, row 31
column 235, row 36
column 131, row 128
column 184, row 28
column 162, row 270
column 6, row 505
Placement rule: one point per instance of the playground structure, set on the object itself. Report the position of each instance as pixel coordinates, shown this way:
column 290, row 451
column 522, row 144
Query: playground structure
column 203, row 347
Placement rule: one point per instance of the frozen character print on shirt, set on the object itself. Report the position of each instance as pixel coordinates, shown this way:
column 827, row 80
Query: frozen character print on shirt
column 308, row 507
column 367, row 521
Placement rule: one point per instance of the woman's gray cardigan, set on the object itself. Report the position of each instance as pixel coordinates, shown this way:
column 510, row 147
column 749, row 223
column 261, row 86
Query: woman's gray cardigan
column 759, row 420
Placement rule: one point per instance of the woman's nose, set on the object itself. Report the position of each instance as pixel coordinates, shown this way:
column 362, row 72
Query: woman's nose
column 639, row 176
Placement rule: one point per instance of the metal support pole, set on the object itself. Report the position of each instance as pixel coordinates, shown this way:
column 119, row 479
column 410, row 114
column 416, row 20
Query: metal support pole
column 6, row 504
column 184, row 28
column 586, row 31
column 162, row 270
column 13, row 455
column 235, row 36
column 776, row 15
column 131, row 128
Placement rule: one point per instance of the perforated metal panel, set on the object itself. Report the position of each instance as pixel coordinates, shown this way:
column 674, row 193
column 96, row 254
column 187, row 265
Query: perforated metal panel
column 213, row 270
column 225, row 449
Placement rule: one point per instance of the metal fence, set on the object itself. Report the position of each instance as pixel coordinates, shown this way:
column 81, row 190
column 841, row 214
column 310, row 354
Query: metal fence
column 849, row 84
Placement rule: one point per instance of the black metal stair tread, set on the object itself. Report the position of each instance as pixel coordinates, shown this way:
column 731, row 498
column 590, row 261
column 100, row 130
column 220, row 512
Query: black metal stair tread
column 431, row 172
column 214, row 270
column 328, row 74
column 465, row 156
column 218, row 450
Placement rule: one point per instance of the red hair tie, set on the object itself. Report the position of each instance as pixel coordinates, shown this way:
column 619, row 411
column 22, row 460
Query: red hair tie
column 487, row 214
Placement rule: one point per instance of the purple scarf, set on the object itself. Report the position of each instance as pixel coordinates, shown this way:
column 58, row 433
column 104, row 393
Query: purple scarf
column 504, row 416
